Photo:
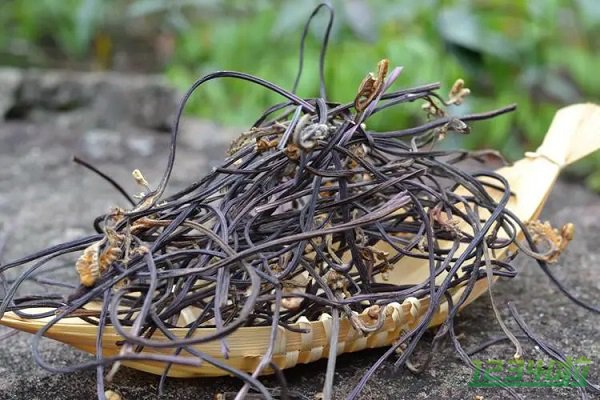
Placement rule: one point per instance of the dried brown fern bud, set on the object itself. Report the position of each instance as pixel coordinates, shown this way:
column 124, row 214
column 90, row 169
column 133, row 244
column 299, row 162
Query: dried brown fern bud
column 87, row 265
column 371, row 86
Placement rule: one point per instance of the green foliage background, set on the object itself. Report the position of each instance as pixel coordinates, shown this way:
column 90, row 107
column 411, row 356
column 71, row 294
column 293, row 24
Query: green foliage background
column 540, row 54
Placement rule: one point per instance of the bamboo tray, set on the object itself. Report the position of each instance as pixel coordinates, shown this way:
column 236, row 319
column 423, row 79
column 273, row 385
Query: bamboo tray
column 574, row 133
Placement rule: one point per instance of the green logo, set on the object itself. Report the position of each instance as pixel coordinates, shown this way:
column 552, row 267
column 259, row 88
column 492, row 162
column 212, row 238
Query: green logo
column 531, row 373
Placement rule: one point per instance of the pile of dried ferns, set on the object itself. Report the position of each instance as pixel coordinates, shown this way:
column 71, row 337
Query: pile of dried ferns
column 306, row 218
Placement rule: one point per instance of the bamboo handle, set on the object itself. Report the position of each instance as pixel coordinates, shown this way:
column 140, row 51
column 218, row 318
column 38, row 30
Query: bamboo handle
column 573, row 134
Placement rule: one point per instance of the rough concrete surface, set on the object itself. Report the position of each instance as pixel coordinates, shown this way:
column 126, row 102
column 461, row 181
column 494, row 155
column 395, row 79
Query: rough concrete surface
column 108, row 100
column 46, row 199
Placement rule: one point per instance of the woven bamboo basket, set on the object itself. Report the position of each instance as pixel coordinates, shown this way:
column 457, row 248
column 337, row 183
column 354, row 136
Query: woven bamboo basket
column 574, row 133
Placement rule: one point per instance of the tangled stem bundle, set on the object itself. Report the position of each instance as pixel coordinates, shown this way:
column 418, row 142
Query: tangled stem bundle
column 308, row 216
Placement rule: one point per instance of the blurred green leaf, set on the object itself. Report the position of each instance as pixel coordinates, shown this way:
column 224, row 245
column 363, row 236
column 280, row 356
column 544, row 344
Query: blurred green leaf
column 590, row 12
column 461, row 27
column 361, row 20
column 540, row 54
column 291, row 17
column 89, row 14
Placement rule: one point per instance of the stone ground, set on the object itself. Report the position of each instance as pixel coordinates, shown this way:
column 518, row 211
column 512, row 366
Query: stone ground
column 46, row 199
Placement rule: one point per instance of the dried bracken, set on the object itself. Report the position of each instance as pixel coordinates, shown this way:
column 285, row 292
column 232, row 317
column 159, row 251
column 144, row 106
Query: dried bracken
column 304, row 221
column 371, row 86
column 555, row 241
column 112, row 395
